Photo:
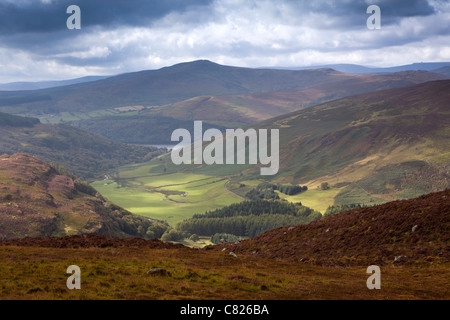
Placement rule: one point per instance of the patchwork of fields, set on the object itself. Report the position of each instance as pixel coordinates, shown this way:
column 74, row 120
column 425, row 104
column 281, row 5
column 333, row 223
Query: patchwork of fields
column 170, row 196
column 156, row 190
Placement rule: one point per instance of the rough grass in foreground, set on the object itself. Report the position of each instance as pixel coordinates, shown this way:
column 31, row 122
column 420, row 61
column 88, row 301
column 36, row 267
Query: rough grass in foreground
column 120, row 273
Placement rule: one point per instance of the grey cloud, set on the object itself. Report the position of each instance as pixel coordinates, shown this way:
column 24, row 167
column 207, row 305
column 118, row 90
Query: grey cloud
column 351, row 13
column 38, row 17
column 175, row 30
column 391, row 8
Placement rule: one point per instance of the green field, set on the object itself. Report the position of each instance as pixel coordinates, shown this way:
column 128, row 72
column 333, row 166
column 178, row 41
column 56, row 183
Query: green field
column 172, row 197
column 319, row 200
column 76, row 116
column 156, row 190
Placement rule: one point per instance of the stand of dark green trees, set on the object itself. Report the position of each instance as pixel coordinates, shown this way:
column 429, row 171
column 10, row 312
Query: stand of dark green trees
column 16, row 121
column 249, row 218
column 267, row 191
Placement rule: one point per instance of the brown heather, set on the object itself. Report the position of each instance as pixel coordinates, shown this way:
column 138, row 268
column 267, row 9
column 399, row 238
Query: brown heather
column 399, row 232
column 326, row 259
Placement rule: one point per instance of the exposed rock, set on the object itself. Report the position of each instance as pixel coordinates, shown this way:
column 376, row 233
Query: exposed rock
column 158, row 272
column 399, row 258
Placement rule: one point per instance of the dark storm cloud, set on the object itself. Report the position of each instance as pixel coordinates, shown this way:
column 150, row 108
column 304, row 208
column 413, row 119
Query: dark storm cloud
column 349, row 13
column 391, row 8
column 34, row 16
column 49, row 16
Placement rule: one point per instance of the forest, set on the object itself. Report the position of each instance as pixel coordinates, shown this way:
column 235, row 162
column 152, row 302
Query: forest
column 16, row 121
column 248, row 218
column 267, row 191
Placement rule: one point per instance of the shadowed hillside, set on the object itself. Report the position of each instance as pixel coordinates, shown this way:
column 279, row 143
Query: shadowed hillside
column 85, row 154
column 255, row 107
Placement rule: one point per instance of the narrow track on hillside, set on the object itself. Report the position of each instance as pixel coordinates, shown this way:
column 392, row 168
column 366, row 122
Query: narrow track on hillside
column 229, row 191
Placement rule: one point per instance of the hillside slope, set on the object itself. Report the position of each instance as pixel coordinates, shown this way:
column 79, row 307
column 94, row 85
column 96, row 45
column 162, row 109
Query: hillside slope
column 38, row 201
column 353, row 68
column 85, row 154
column 366, row 149
column 375, row 147
column 15, row 86
column 155, row 124
column 396, row 232
column 255, row 107
column 444, row 70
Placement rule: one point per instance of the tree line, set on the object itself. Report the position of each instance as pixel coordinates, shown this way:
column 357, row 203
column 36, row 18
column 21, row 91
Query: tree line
column 16, row 121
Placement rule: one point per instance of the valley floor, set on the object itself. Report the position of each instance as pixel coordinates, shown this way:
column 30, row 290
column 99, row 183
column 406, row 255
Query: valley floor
column 121, row 273
column 146, row 190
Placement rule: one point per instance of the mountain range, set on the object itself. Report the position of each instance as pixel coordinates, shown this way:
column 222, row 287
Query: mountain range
column 127, row 107
column 354, row 68
column 36, row 85
column 437, row 67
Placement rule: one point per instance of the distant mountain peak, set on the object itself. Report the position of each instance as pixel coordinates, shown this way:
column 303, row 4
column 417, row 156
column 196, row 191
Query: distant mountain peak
column 193, row 64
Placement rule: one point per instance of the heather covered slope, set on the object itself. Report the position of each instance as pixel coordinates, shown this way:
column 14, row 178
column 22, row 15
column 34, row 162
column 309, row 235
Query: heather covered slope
column 36, row 200
column 372, row 148
column 415, row 230
column 409, row 240
column 255, row 107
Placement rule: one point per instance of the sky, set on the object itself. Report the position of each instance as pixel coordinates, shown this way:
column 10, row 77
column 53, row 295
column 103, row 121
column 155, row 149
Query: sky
column 119, row 36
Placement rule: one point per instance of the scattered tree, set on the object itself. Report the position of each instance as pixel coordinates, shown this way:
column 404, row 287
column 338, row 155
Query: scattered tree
column 324, row 186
